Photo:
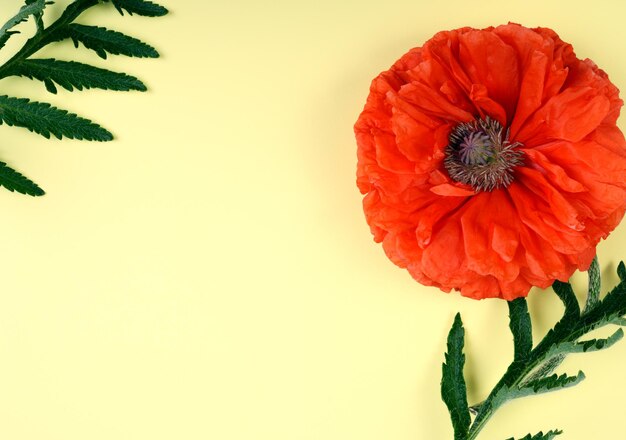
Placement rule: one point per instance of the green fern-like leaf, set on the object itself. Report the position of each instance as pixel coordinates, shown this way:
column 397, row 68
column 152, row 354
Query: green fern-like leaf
column 14, row 181
column 619, row 321
column 139, row 7
column 70, row 75
column 46, row 120
column 567, row 347
column 621, row 271
column 38, row 16
column 555, row 382
column 527, row 375
column 541, row 436
column 453, row 389
column 103, row 41
column 540, row 386
column 42, row 118
column 599, row 344
column 34, row 8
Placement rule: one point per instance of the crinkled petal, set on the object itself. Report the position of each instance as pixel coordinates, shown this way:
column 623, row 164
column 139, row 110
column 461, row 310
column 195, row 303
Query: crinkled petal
column 570, row 115
column 491, row 62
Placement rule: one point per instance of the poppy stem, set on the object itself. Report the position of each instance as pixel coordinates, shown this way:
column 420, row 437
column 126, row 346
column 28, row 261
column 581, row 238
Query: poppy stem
column 531, row 371
column 520, row 325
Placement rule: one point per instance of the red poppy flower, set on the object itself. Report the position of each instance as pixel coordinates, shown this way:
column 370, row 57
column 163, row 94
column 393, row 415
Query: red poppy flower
column 491, row 161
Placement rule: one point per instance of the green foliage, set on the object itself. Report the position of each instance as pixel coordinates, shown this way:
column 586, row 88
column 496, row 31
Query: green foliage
column 453, row 390
column 619, row 321
column 568, row 347
column 139, row 7
column 621, row 271
column 595, row 283
column 14, row 181
column 34, row 8
column 38, row 15
column 43, row 118
column 538, row 386
column 531, row 371
column 544, row 369
column 70, row 75
column 103, row 41
column 519, row 323
column 541, row 436
column 552, row 383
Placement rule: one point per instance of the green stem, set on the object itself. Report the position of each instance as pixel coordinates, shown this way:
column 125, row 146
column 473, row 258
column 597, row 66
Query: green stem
column 47, row 35
column 520, row 326
column 531, row 371
column 593, row 293
column 543, row 358
column 486, row 410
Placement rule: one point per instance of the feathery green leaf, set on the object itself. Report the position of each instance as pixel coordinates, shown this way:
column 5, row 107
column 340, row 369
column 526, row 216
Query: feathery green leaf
column 34, row 8
column 44, row 119
column 528, row 376
column 103, row 41
column 613, row 304
column 139, row 7
column 38, row 16
column 70, row 75
column 567, row 347
column 540, row 386
column 14, row 181
column 519, row 323
column 453, row 389
column 553, row 382
column 541, row 436
column 621, row 271
column 599, row 344
column 619, row 321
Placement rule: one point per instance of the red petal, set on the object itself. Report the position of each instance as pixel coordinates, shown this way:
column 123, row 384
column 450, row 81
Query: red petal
column 531, row 91
column 449, row 190
column 538, row 215
column 387, row 154
column 481, row 288
column 547, row 194
column 481, row 258
column 487, row 106
column 491, row 62
column 431, row 215
column 555, row 173
column 504, row 237
column 517, row 288
column 570, row 115
column 416, row 141
column 433, row 102
column 444, row 257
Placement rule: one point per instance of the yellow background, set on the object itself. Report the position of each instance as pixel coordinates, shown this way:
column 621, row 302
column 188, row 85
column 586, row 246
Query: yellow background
column 209, row 274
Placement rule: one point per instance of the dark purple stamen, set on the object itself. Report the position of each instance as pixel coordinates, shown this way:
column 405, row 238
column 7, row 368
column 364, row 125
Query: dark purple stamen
column 479, row 154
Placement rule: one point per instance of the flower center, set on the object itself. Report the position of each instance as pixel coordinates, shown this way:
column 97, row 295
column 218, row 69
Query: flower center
column 479, row 154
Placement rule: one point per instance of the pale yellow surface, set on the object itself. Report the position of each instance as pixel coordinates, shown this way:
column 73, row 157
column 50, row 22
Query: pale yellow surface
column 209, row 274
